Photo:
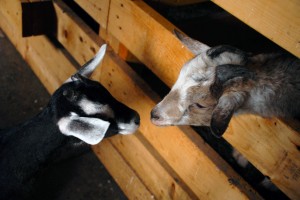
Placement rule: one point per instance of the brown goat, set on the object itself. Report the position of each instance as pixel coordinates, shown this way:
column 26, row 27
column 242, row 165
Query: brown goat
column 223, row 80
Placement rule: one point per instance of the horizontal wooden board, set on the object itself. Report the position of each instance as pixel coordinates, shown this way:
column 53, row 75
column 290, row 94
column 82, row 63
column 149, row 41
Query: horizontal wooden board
column 98, row 10
column 276, row 19
column 123, row 173
column 152, row 42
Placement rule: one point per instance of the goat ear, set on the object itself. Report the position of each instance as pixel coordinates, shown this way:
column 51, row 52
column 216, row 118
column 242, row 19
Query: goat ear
column 220, row 120
column 195, row 46
column 233, row 80
column 88, row 68
column 89, row 130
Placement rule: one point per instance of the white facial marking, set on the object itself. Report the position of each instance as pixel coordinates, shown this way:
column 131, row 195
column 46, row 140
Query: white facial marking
column 126, row 129
column 91, row 108
column 89, row 130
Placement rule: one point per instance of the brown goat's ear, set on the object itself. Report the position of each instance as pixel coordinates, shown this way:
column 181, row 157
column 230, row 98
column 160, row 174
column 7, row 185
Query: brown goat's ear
column 231, row 88
column 227, row 105
column 193, row 45
column 220, row 120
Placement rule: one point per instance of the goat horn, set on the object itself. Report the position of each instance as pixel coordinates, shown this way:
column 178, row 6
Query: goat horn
column 195, row 46
column 88, row 68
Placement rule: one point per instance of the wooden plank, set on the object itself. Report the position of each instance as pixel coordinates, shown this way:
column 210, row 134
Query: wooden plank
column 117, row 46
column 155, row 177
column 98, row 10
column 120, row 83
column 40, row 53
column 152, row 42
column 276, row 19
column 126, row 177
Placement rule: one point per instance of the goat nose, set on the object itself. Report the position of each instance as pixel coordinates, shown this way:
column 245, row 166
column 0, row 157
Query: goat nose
column 154, row 115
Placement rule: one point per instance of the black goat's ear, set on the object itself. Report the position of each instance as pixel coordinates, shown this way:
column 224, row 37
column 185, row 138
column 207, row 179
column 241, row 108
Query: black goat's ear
column 87, row 129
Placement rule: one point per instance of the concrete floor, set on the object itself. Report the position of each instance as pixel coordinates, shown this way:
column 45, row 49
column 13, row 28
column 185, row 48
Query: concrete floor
column 21, row 97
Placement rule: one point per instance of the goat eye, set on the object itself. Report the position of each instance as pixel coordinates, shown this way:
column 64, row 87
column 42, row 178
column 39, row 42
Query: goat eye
column 71, row 95
column 196, row 105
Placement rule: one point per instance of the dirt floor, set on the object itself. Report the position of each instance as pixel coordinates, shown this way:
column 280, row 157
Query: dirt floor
column 21, row 97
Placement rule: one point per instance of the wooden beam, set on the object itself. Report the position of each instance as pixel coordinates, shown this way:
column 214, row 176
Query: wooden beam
column 98, row 10
column 121, row 81
column 276, row 19
column 110, row 157
column 153, row 43
column 148, row 169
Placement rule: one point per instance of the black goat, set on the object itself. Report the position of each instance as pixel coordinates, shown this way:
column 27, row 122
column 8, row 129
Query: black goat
column 80, row 110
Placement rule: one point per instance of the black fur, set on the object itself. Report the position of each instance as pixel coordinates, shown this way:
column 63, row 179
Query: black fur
column 29, row 147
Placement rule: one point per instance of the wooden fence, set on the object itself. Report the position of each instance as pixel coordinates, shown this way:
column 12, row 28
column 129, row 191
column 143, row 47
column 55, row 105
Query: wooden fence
column 172, row 162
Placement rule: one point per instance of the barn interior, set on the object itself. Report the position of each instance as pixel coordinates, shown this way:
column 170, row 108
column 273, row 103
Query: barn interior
column 84, row 176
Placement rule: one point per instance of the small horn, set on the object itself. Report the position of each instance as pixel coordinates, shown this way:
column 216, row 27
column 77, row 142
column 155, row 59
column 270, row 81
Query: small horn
column 193, row 45
column 87, row 69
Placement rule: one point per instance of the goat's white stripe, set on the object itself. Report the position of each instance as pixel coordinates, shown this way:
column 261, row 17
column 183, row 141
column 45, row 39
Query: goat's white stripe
column 89, row 107
column 94, row 134
column 125, row 128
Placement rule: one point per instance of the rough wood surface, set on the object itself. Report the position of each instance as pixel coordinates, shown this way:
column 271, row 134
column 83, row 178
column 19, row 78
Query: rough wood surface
column 98, row 10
